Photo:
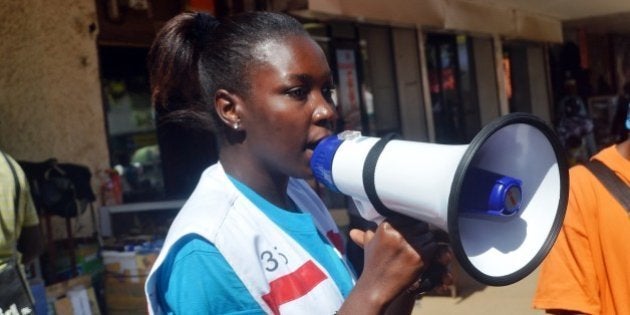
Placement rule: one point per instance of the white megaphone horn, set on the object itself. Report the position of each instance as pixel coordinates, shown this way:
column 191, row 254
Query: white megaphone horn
column 501, row 198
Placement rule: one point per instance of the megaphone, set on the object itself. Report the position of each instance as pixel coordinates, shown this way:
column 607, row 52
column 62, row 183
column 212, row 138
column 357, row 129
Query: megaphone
column 501, row 198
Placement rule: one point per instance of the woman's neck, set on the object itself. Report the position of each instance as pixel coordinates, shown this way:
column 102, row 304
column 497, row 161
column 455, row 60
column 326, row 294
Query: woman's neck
column 272, row 187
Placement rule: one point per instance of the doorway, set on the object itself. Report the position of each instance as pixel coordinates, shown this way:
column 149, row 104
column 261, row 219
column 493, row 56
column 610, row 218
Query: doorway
column 453, row 88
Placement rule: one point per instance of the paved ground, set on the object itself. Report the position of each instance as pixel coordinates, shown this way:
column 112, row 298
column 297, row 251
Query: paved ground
column 471, row 297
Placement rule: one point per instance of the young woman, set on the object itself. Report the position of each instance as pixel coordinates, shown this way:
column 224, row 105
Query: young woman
column 253, row 236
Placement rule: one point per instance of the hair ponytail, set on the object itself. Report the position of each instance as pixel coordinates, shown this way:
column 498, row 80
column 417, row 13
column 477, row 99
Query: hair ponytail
column 173, row 70
column 203, row 26
column 195, row 54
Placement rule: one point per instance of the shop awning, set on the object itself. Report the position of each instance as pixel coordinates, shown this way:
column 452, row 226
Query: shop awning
column 456, row 15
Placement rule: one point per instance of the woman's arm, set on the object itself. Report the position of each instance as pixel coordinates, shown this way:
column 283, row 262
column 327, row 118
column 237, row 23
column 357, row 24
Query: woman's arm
column 391, row 265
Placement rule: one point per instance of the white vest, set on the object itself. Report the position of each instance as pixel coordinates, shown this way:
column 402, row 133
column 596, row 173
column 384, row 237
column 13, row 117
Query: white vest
column 280, row 275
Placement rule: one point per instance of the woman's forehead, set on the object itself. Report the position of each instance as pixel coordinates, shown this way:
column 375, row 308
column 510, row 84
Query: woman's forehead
column 292, row 46
column 292, row 54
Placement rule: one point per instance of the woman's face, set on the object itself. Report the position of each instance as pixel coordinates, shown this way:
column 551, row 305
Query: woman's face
column 289, row 108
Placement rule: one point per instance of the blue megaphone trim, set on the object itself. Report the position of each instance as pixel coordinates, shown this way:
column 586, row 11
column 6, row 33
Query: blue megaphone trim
column 322, row 159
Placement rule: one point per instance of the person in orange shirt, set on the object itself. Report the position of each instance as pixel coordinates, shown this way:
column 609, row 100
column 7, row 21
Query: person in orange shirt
column 588, row 269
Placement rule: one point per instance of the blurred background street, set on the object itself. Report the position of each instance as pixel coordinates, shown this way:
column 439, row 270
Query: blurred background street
column 75, row 92
column 474, row 298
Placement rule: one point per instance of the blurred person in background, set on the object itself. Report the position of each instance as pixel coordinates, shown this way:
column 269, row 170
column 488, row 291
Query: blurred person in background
column 574, row 125
column 22, row 230
column 588, row 269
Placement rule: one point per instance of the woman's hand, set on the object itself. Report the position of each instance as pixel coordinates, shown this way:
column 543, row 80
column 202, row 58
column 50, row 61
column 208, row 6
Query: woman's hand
column 396, row 254
column 436, row 278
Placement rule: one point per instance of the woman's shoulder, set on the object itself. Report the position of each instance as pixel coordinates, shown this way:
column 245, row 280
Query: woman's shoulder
column 188, row 258
column 189, row 250
column 196, row 279
column 192, row 244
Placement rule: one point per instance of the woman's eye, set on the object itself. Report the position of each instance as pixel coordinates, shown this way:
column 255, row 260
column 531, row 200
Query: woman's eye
column 298, row 93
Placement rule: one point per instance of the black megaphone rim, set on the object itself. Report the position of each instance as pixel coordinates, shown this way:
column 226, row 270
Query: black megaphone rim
column 456, row 189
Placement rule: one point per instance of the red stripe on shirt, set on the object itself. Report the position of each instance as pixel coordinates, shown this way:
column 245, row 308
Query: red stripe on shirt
column 293, row 286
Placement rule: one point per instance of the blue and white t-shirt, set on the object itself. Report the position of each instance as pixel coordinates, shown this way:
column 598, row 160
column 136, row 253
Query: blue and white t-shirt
column 195, row 278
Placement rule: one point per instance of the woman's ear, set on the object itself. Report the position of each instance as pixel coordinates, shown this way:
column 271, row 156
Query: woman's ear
column 227, row 106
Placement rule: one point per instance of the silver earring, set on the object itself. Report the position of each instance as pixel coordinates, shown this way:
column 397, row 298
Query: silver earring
column 236, row 126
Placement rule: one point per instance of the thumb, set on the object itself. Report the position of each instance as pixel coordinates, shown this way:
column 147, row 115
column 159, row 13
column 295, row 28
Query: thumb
column 360, row 237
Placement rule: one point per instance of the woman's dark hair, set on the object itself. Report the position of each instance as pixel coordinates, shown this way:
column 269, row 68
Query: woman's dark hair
column 195, row 54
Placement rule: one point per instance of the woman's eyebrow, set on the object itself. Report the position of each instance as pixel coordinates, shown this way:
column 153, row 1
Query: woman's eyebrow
column 307, row 78
column 304, row 78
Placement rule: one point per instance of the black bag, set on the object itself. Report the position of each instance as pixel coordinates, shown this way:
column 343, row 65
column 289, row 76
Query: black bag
column 57, row 192
column 56, row 187
column 15, row 297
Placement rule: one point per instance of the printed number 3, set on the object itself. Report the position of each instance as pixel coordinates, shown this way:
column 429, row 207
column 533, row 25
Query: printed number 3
column 271, row 263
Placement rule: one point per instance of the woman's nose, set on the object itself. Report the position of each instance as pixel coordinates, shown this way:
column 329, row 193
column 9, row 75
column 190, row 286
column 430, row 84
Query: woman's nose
column 322, row 112
column 324, row 115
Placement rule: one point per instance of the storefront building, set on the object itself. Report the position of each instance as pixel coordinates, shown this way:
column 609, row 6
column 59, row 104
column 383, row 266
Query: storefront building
column 74, row 87
column 428, row 76
column 73, row 81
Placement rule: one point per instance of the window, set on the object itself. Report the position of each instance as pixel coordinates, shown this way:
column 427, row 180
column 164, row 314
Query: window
column 131, row 130
column 156, row 161
column 453, row 89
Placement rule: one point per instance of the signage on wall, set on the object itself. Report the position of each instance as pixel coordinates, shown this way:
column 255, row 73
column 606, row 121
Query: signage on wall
column 348, row 89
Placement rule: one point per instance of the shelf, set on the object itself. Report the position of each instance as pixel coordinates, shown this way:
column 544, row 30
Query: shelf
column 105, row 212
column 144, row 206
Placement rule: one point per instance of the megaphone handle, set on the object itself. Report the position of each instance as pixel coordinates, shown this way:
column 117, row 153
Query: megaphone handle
column 431, row 278
column 369, row 167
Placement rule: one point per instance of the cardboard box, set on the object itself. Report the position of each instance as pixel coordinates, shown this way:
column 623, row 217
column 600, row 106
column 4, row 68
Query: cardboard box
column 126, row 273
column 129, row 265
column 72, row 298
column 86, row 304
